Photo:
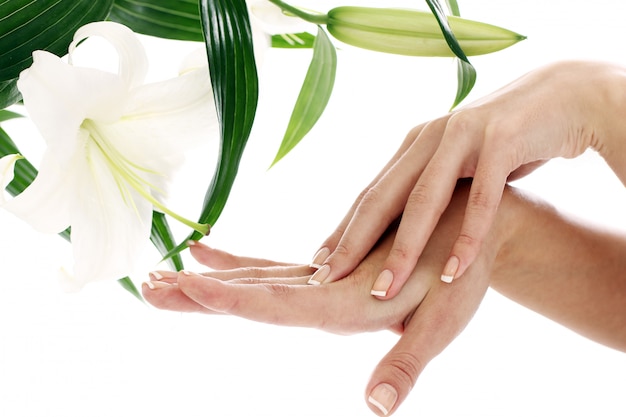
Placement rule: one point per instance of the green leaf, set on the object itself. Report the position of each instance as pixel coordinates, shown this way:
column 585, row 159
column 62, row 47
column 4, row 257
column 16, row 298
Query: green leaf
column 171, row 19
column 466, row 78
column 453, row 6
column 293, row 40
column 466, row 73
column 28, row 25
column 314, row 94
column 129, row 286
column 162, row 239
column 8, row 115
column 9, row 94
column 228, row 39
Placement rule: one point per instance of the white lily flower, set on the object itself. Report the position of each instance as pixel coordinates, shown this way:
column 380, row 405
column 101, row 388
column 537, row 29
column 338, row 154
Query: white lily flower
column 112, row 144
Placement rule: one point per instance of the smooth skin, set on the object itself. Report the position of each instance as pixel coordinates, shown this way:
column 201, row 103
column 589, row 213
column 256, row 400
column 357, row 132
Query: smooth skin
column 556, row 111
column 569, row 272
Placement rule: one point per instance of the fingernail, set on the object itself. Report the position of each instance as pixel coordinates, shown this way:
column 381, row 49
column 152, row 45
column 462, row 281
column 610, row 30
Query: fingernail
column 449, row 271
column 383, row 397
column 185, row 272
column 156, row 285
column 154, row 275
column 191, row 242
column 319, row 258
column 382, row 283
column 320, row 275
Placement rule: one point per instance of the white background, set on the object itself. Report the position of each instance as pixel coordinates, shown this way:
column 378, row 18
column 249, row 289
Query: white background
column 99, row 352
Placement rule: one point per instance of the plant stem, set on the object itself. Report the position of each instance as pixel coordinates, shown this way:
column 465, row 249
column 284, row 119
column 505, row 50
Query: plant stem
column 318, row 19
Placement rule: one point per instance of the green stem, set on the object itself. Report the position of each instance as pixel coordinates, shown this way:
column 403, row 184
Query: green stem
column 318, row 19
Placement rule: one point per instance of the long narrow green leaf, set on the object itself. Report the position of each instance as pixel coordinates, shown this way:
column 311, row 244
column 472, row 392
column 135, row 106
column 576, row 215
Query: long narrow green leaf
column 28, row 25
column 466, row 73
column 314, row 94
column 171, row 19
column 129, row 286
column 453, row 6
column 228, row 38
column 8, row 115
column 162, row 238
column 466, row 78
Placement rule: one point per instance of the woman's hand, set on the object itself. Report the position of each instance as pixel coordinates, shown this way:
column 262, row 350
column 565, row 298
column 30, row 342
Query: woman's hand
column 428, row 315
column 556, row 111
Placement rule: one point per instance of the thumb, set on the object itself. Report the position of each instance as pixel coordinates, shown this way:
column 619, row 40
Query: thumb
column 439, row 318
column 393, row 378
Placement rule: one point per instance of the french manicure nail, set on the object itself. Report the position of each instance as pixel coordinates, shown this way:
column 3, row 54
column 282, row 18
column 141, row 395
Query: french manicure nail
column 383, row 397
column 320, row 275
column 191, row 242
column 156, row 285
column 319, row 258
column 155, row 276
column 382, row 283
column 449, row 271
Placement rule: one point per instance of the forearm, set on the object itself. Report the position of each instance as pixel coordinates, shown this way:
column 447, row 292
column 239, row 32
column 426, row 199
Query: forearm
column 568, row 271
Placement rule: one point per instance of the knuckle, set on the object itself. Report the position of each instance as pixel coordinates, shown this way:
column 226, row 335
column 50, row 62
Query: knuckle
column 401, row 252
column 462, row 122
column 247, row 280
column 467, row 240
column 421, row 202
column 371, row 198
column 278, row 290
column 404, row 367
column 480, row 201
column 252, row 272
column 343, row 250
column 420, row 196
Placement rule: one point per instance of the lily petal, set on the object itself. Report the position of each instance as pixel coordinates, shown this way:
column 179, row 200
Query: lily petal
column 133, row 61
column 109, row 231
column 59, row 97
column 186, row 119
column 45, row 203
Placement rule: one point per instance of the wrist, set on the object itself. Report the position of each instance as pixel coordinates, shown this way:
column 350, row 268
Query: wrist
column 610, row 141
column 508, row 232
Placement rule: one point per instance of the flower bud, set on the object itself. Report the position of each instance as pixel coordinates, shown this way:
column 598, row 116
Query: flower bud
column 413, row 32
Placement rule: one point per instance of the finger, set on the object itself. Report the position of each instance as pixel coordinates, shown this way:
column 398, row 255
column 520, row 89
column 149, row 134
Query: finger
column 162, row 290
column 166, row 296
column 380, row 206
column 298, row 274
column 424, row 206
column 168, row 277
column 482, row 205
column 442, row 315
column 330, row 244
column 263, row 274
column 219, row 259
column 322, row 307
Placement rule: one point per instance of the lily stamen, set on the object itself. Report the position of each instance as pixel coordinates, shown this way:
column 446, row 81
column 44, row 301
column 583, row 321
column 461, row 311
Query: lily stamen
column 124, row 173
